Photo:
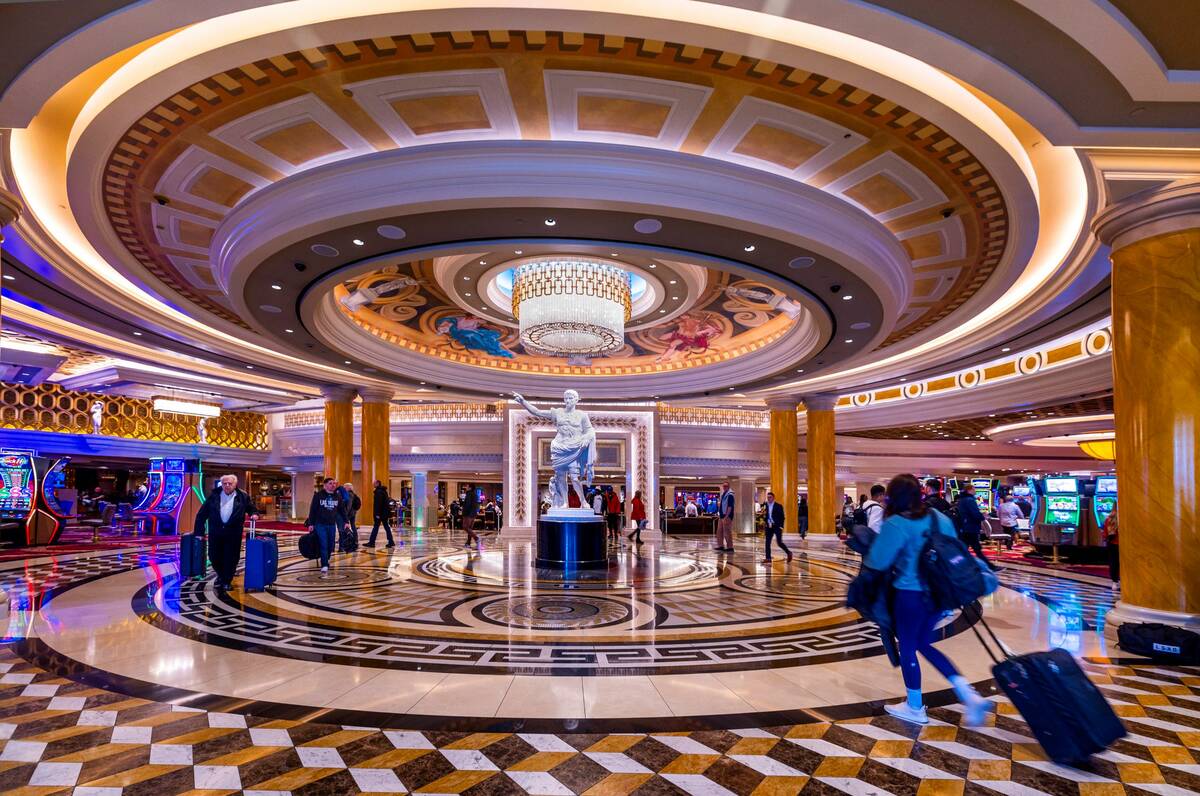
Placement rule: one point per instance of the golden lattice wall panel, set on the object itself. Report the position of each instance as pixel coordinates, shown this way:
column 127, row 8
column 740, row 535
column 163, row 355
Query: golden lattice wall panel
column 48, row 407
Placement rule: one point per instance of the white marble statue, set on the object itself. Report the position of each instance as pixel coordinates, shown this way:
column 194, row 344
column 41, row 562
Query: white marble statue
column 202, row 430
column 572, row 452
column 97, row 416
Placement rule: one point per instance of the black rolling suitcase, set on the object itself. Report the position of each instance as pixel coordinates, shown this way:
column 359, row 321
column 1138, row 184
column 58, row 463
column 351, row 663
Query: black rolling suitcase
column 1068, row 715
column 193, row 556
column 1161, row 643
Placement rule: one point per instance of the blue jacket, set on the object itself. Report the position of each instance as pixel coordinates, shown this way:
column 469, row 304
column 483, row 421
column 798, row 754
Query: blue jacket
column 968, row 511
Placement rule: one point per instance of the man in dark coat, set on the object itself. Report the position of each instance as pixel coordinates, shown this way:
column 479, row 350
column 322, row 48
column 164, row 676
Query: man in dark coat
column 221, row 519
column 381, row 508
column 972, row 522
column 773, row 515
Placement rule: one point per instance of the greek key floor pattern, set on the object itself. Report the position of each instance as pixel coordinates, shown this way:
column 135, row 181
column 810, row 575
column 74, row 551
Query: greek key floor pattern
column 59, row 736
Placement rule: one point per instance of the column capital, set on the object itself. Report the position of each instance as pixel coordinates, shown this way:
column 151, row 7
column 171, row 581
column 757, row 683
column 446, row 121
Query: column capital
column 1154, row 211
column 783, row 403
column 337, row 393
column 376, row 395
column 820, row 401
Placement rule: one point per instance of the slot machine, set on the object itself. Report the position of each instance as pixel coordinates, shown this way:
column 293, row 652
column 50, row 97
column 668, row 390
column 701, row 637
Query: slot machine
column 1059, row 521
column 1105, row 500
column 984, row 494
column 173, row 490
column 952, row 489
column 24, row 517
column 1027, row 499
column 54, row 495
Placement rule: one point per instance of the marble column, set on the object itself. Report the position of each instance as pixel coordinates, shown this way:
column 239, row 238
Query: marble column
column 375, row 449
column 1155, row 240
column 785, row 458
column 424, row 500
column 743, row 504
column 339, row 432
column 824, row 499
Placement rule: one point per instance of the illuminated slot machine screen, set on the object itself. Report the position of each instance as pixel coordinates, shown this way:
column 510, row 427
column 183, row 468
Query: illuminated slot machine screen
column 17, row 482
column 1105, row 500
column 153, row 487
column 56, row 479
column 1062, row 502
column 983, row 493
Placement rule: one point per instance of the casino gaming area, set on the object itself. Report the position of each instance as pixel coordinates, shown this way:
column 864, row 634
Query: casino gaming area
column 599, row 397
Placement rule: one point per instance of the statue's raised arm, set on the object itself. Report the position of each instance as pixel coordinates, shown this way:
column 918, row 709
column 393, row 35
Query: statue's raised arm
column 545, row 414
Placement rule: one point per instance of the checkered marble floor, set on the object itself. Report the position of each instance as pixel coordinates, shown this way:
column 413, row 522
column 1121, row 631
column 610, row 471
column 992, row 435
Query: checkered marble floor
column 62, row 737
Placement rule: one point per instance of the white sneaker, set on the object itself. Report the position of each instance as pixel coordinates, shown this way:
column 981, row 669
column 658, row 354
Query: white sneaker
column 324, row 572
column 975, row 711
column 902, row 710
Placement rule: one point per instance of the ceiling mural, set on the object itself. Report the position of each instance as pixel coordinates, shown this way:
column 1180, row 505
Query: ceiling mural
column 190, row 159
column 406, row 305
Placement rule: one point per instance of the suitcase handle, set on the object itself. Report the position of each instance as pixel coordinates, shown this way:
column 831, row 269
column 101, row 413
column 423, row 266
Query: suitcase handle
column 977, row 609
column 253, row 522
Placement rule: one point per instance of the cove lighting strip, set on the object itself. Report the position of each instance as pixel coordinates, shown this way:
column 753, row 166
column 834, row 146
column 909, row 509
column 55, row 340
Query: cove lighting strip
column 186, row 407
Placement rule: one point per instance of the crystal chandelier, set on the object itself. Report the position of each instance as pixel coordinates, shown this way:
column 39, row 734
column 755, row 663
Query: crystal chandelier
column 571, row 306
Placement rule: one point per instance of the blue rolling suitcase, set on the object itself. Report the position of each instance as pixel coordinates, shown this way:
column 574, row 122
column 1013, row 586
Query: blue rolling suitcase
column 193, row 556
column 262, row 560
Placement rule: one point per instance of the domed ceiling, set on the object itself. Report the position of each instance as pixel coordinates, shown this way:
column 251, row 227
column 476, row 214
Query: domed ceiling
column 192, row 158
column 683, row 316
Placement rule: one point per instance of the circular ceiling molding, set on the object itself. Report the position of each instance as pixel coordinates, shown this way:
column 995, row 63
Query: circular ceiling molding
column 1060, row 432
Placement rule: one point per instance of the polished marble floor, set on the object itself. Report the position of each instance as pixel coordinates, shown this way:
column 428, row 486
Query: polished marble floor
column 671, row 637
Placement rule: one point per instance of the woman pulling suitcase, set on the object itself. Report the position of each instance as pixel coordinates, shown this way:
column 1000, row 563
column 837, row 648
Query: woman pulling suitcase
column 907, row 524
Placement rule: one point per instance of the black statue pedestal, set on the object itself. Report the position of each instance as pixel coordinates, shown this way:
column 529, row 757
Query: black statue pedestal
column 572, row 543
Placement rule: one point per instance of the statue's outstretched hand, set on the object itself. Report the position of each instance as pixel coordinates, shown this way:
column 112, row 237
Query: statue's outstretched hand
column 518, row 397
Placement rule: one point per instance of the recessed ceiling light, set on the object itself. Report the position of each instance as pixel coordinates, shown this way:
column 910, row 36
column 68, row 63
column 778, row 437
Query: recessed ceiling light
column 849, row 340
column 647, row 226
column 289, row 331
column 1005, row 350
column 137, row 334
column 277, row 287
column 799, row 370
column 357, row 242
column 903, row 378
column 674, row 298
column 550, row 222
column 992, row 415
column 847, row 297
column 466, row 279
column 517, row 251
column 749, row 247
column 468, row 295
column 653, row 265
column 422, row 383
column 613, row 254
column 345, row 361
column 249, row 367
column 10, row 277
column 661, row 311
column 390, row 231
column 905, row 436
column 483, row 262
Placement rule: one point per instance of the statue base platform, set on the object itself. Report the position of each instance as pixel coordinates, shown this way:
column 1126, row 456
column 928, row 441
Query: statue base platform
column 572, row 543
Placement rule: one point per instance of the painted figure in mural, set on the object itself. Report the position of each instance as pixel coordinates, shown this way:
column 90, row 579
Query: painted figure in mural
column 97, row 416
column 202, row 430
column 472, row 334
column 368, row 295
column 573, row 450
column 772, row 298
column 691, row 335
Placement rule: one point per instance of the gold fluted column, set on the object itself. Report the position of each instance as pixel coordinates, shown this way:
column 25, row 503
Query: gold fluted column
column 824, row 502
column 785, row 458
column 375, row 449
column 10, row 209
column 339, row 433
column 1155, row 240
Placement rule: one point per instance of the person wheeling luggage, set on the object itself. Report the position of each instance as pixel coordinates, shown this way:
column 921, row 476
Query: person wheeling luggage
column 381, row 508
column 348, row 540
column 972, row 523
column 221, row 519
column 906, row 526
column 327, row 516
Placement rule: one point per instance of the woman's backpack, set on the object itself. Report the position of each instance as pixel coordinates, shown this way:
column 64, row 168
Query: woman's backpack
column 952, row 576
